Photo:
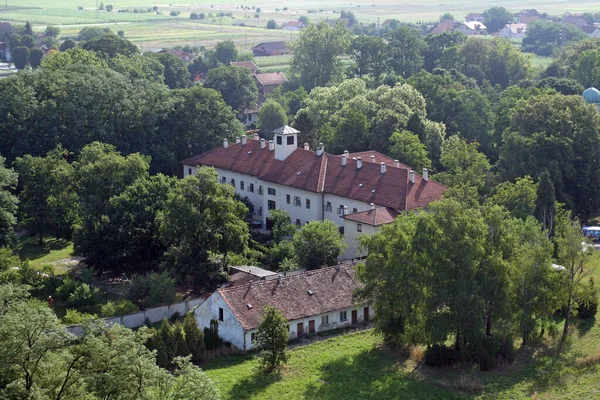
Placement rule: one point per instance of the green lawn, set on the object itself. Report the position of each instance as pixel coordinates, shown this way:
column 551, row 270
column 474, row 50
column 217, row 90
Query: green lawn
column 51, row 251
column 357, row 366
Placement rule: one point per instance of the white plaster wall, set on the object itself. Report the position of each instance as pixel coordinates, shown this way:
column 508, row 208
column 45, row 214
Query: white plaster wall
column 189, row 170
column 336, row 201
column 230, row 328
column 334, row 323
column 351, row 235
column 305, row 215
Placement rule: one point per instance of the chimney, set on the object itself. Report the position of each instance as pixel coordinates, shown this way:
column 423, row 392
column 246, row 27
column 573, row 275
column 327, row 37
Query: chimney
column 225, row 144
column 271, row 145
column 256, row 136
column 373, row 159
column 425, row 174
column 320, row 149
column 345, row 210
column 237, row 139
column 372, row 206
column 262, row 143
column 396, row 163
column 339, row 266
column 243, row 140
column 383, row 168
column 359, row 162
column 306, row 147
column 411, row 176
column 344, row 159
column 347, row 153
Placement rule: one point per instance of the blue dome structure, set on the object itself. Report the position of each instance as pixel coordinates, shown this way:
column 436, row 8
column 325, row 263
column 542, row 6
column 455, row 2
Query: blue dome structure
column 592, row 96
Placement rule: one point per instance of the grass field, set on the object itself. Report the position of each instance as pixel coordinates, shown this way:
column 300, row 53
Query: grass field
column 51, row 251
column 155, row 31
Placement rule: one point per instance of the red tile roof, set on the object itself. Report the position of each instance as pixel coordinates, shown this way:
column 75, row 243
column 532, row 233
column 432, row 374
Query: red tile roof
column 303, row 169
column 245, row 64
column 375, row 217
column 379, row 158
column 295, row 24
column 271, row 78
column 445, row 25
column 332, row 290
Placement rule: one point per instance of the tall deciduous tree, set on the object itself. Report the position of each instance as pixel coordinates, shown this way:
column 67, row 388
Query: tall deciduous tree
column 316, row 54
column 405, row 46
column 109, row 45
column 317, row 244
column 236, row 85
column 371, row 56
column 225, row 52
column 270, row 117
column 272, row 337
column 464, row 164
column 202, row 220
column 8, row 203
column 20, row 56
column 496, row 18
column 176, row 74
column 282, row 225
column 407, row 148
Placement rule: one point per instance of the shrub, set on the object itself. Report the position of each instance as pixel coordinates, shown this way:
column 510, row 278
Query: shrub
column 441, row 356
column 121, row 307
column 194, row 15
column 416, row 353
column 29, row 275
column 109, row 8
column 174, row 13
column 87, row 275
column 67, row 287
column 194, row 338
column 587, row 300
column 83, row 296
column 152, row 290
column 74, row 317
column 211, row 336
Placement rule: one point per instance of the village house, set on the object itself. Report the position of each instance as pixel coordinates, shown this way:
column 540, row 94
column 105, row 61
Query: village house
column 293, row 26
column 270, row 49
column 471, row 28
column 477, row 17
column 574, row 19
column 6, row 30
column 184, row 56
column 245, row 64
column 268, row 81
column 311, row 302
column 445, row 25
column 312, row 185
column 513, row 31
column 5, row 52
column 592, row 31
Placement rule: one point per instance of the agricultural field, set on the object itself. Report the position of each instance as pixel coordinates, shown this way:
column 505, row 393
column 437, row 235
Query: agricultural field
column 158, row 30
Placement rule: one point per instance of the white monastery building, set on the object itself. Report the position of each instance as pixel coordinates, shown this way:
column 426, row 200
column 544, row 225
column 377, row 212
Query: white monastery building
column 311, row 302
column 315, row 185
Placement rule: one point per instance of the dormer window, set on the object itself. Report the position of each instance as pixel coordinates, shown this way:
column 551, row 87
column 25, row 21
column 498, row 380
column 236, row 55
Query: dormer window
column 279, row 140
column 290, row 140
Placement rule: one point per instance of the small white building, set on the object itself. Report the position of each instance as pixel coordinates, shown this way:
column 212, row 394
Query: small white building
column 513, row 31
column 364, row 223
column 293, row 26
column 471, row 28
column 311, row 302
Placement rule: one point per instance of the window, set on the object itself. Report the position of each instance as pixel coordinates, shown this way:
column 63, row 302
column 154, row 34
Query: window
column 189, row 171
column 359, row 227
column 307, row 203
column 233, row 182
column 298, row 223
column 271, row 191
column 324, row 319
column 287, row 198
column 340, row 210
column 259, row 211
column 290, row 140
column 241, row 185
column 260, row 190
column 253, row 337
column 354, row 210
column 328, row 206
column 279, row 140
column 223, row 180
column 251, row 188
column 297, row 201
column 220, row 314
column 271, row 205
column 343, row 316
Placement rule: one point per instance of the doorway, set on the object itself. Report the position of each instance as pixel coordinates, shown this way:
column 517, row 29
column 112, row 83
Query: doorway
column 354, row 317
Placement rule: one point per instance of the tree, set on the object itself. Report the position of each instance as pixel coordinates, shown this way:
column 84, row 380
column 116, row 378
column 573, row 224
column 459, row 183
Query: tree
column 496, row 18
column 236, row 85
column 109, row 45
column 52, row 31
column 352, row 132
column 176, row 73
column 437, row 44
column 8, row 203
column 545, row 203
column 67, row 44
column 27, row 41
column 225, row 52
column 272, row 337
column 202, row 220
column 121, row 34
column 35, row 57
column 91, row 32
column 405, row 46
column 587, row 69
column 20, row 56
column 270, row 117
column 371, row 56
column 573, row 255
column 518, row 198
column 28, row 29
column 14, row 40
column 564, row 86
column 316, row 54
column 271, row 24
column 282, row 226
column 194, row 338
column 543, row 37
column 407, row 148
column 464, row 164
column 318, row 243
